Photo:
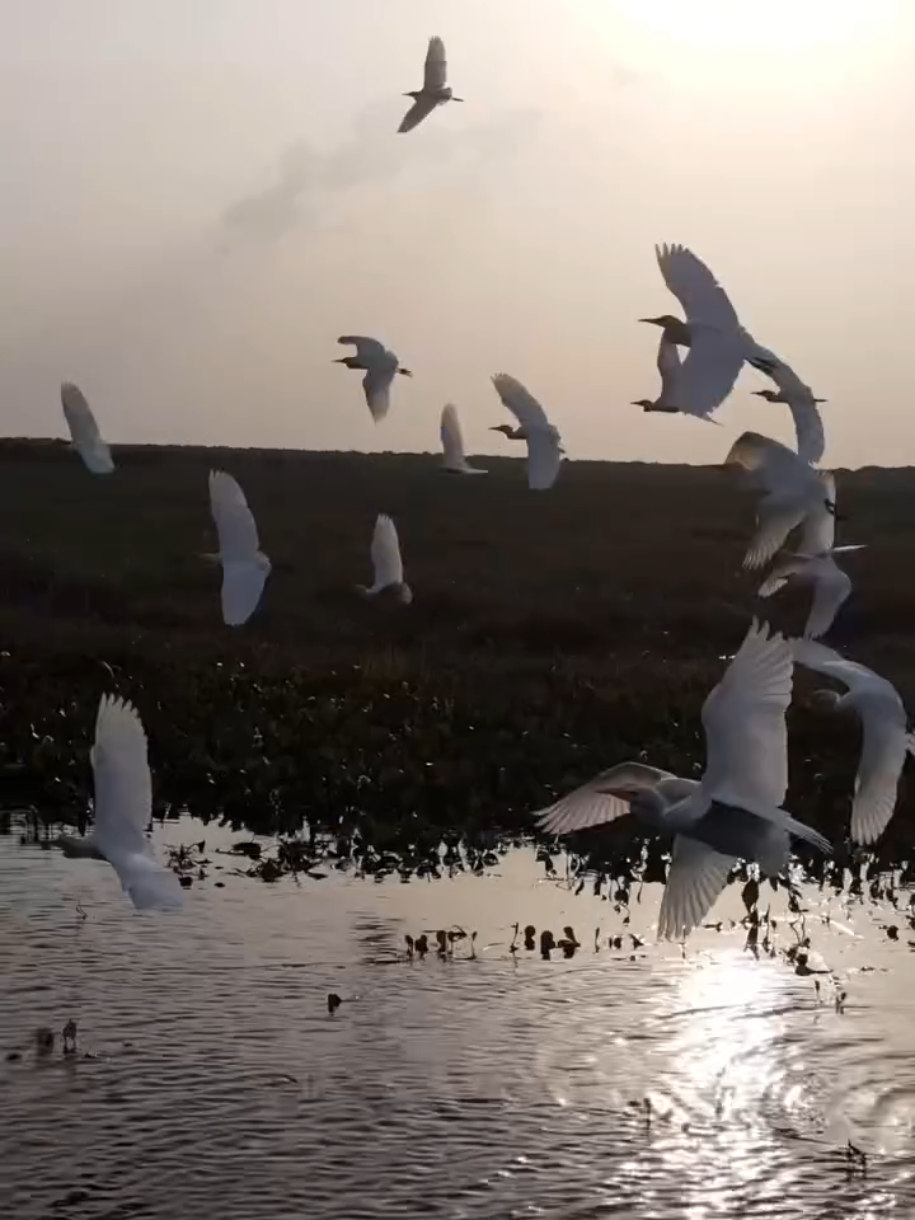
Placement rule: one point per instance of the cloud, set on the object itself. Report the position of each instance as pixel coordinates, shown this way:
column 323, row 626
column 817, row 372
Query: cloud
column 307, row 179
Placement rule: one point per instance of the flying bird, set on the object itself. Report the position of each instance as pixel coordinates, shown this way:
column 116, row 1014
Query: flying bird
column 380, row 365
column 885, row 740
column 670, row 368
column 435, row 92
column 387, row 563
column 792, row 490
column 123, row 809
column 802, row 403
column 84, row 431
column 813, row 563
column 454, row 461
column 718, row 344
column 245, row 567
column 544, row 444
column 734, row 812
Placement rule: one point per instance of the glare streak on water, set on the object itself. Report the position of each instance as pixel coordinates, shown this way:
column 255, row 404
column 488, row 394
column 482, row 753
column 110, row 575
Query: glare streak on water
column 217, row 1085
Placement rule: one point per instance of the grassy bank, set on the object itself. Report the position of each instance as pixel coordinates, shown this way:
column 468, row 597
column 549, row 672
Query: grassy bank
column 551, row 636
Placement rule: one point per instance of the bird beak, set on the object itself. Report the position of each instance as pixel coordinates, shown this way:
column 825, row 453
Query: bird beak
column 821, row 400
column 758, row 393
column 405, row 373
column 654, row 320
column 339, row 360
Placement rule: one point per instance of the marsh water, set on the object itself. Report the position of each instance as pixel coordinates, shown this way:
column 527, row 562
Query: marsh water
column 211, row 1081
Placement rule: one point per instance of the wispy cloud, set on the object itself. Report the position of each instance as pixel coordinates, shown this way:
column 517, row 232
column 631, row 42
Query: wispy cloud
column 308, row 179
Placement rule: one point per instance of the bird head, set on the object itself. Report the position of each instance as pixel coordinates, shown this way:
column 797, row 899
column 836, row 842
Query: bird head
column 665, row 320
column 414, row 93
column 502, row 428
column 645, row 403
column 768, row 395
column 405, row 372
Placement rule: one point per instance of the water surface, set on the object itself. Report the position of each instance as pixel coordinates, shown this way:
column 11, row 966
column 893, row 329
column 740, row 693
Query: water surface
column 211, row 1081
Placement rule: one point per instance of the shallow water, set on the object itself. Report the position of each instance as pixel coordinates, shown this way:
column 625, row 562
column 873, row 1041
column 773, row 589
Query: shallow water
column 212, row 1082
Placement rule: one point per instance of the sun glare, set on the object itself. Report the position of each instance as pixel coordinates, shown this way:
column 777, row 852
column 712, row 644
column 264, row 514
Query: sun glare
column 770, row 25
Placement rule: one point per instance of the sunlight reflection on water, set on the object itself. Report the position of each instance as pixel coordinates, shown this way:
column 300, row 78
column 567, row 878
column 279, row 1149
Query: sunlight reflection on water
column 507, row 1086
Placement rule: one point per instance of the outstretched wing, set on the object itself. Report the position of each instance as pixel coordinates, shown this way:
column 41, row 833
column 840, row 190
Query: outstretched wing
column 695, row 879
column 831, row 589
column 435, row 73
column 522, row 404
column 123, row 806
column 544, row 457
column 703, row 299
column 590, row 805
column 452, row 440
column 377, row 386
column 421, row 109
column 744, row 721
column 369, row 351
column 386, row 558
column 84, row 430
column 235, row 525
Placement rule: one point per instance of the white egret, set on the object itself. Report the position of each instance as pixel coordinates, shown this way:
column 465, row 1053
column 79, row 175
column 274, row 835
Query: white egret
column 387, row 563
column 670, row 368
column 718, row 344
column 813, row 564
column 84, row 431
column 435, row 91
column 123, row 809
column 544, row 444
column 885, row 740
column 734, row 812
column 455, row 461
column 380, row 365
column 800, row 400
column 791, row 491
column 245, row 567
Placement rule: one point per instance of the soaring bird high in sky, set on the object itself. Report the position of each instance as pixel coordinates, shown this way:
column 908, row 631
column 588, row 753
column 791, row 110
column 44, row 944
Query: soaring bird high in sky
column 435, row 91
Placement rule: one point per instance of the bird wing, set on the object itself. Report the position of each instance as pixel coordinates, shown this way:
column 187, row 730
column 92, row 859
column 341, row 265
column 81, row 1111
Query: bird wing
column 884, row 739
column 786, row 478
column 452, row 440
column 523, row 405
column 590, row 805
column 831, row 589
column 123, row 805
column 689, row 279
column 235, row 525
column 386, row 559
column 369, row 351
column 84, row 430
column 883, row 751
column 775, row 521
column 695, row 879
column 808, row 423
column 709, row 371
column 773, row 464
column 744, row 721
column 377, row 386
column 780, row 575
column 819, row 534
column 435, row 73
column 421, row 109
column 544, row 457
column 242, row 585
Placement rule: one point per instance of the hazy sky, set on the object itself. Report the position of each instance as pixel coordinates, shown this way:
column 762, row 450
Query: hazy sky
column 199, row 196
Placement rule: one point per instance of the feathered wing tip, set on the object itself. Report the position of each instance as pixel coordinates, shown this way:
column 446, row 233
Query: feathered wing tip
column 910, row 743
column 747, row 451
column 117, row 720
column 812, row 653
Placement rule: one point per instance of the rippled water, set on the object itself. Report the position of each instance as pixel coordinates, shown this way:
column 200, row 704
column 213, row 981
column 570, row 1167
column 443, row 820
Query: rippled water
column 211, row 1081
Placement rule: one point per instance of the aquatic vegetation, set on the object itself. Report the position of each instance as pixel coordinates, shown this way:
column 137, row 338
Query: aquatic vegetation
column 411, row 746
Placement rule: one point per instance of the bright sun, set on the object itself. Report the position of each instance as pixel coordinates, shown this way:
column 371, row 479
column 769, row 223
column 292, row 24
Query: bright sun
column 764, row 25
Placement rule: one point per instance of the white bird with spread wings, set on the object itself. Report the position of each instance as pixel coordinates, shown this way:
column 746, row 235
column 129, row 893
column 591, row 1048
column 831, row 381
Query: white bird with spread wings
column 734, row 812
column 885, row 740
column 544, row 444
column 380, row 366
column 245, row 567
column 84, row 431
column 435, row 91
column 123, row 809
column 813, row 563
column 792, row 490
column 387, row 563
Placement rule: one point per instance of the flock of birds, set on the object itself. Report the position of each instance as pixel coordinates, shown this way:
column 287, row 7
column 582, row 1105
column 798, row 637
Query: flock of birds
column 734, row 812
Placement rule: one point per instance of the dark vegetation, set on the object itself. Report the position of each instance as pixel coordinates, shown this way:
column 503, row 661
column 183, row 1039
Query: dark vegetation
column 551, row 636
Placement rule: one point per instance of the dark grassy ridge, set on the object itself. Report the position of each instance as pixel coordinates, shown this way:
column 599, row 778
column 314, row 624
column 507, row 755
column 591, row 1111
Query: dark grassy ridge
column 551, row 635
